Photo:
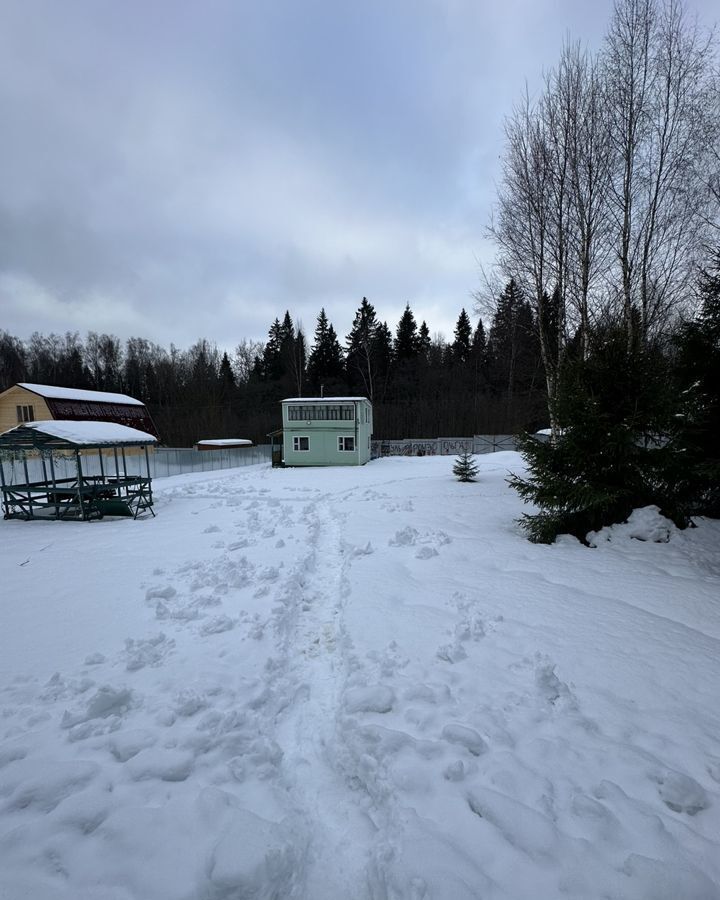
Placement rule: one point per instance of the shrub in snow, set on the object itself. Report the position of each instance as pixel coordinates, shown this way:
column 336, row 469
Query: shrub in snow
column 465, row 468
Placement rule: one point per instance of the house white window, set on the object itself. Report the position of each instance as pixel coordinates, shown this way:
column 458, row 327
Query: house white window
column 346, row 443
column 25, row 414
column 301, row 443
column 302, row 413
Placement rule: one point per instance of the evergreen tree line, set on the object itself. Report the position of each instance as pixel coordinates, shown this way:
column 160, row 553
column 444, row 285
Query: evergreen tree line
column 607, row 212
column 420, row 385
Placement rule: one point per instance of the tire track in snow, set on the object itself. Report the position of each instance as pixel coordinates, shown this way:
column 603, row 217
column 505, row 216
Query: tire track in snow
column 314, row 663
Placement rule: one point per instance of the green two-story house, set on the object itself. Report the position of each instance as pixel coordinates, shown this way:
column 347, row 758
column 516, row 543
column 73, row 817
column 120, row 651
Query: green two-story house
column 326, row 431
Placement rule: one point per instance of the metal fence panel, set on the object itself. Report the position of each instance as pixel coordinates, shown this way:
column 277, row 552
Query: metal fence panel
column 493, row 443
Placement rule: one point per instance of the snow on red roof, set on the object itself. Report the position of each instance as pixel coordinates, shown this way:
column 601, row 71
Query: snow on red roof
column 51, row 392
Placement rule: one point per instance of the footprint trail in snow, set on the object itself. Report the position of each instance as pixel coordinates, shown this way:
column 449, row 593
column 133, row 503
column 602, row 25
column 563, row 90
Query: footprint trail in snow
column 362, row 684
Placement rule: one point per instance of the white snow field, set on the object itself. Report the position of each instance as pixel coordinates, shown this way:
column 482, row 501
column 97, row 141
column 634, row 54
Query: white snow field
column 357, row 684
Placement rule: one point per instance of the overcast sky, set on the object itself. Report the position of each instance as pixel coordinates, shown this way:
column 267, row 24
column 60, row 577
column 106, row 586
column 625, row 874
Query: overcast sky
column 175, row 170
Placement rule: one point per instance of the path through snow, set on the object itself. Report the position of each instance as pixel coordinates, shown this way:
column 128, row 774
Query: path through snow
column 358, row 684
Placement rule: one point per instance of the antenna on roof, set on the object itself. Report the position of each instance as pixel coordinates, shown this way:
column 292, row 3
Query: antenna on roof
column 322, row 391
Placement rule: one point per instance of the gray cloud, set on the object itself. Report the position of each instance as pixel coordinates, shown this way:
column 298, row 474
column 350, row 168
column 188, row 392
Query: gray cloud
column 177, row 170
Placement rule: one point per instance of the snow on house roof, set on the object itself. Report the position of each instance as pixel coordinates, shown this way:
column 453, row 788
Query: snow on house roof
column 323, row 399
column 87, row 433
column 51, row 392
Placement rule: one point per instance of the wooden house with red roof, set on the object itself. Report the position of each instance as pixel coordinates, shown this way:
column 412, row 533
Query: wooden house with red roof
column 25, row 402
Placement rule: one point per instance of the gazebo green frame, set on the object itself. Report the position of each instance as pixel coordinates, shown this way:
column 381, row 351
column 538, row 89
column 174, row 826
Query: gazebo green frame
column 84, row 496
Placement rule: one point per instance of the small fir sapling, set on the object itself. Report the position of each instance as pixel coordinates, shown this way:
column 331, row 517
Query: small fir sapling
column 465, row 468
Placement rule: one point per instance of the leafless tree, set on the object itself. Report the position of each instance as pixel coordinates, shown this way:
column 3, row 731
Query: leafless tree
column 657, row 70
column 526, row 219
column 590, row 170
column 607, row 179
column 246, row 352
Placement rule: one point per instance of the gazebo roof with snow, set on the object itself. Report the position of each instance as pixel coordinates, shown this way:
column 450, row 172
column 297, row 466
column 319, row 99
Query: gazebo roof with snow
column 82, row 494
column 58, row 434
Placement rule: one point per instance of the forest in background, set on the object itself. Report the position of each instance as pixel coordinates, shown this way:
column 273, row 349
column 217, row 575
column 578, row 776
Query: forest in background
column 482, row 381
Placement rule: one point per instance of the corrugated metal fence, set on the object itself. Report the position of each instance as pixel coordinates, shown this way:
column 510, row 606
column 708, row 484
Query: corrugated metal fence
column 177, row 460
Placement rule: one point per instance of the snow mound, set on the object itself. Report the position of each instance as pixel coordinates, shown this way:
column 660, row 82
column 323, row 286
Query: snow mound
column 645, row 524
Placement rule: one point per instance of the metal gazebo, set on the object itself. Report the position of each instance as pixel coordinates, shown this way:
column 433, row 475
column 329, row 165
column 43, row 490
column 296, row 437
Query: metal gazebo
column 98, row 484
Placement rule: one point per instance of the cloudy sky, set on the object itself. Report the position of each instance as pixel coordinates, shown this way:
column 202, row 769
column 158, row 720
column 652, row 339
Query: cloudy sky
column 176, row 169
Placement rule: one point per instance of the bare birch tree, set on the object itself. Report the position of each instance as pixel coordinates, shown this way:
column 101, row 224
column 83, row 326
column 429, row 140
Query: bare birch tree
column 550, row 205
column 607, row 180
column 657, row 71
column 590, row 168
column 523, row 225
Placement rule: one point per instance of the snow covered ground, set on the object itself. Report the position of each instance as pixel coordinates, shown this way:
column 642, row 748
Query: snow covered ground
column 362, row 684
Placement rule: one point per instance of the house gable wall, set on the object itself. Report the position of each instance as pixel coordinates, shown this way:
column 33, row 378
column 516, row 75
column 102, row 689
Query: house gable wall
column 17, row 396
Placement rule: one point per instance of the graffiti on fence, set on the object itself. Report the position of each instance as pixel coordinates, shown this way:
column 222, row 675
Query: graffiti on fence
column 453, row 446
column 479, row 443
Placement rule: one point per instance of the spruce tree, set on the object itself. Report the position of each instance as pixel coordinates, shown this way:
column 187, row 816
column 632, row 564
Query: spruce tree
column 287, row 343
column 617, row 446
column 463, row 335
column 407, row 343
column 479, row 343
column 270, row 366
column 382, row 354
column 361, row 348
column 464, row 468
column 227, row 378
column 513, row 352
column 325, row 363
column 424, row 340
column 698, row 374
column 298, row 361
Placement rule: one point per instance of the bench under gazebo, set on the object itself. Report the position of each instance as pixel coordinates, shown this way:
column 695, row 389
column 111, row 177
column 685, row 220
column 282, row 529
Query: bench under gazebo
column 75, row 470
